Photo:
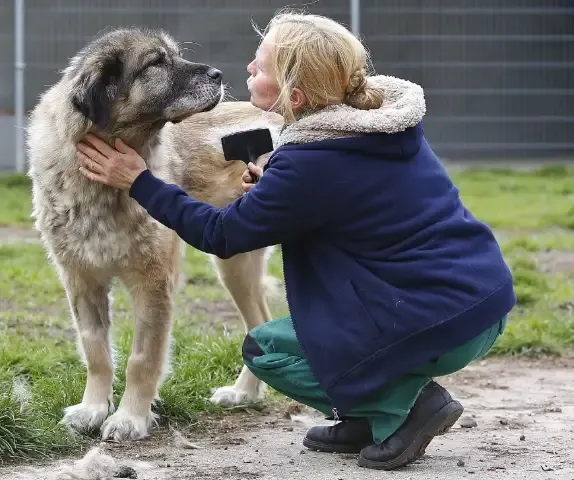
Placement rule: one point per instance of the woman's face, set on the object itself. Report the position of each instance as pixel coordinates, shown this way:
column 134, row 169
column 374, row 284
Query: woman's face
column 262, row 84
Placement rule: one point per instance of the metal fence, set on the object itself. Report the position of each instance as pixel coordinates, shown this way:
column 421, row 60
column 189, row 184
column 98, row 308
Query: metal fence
column 498, row 75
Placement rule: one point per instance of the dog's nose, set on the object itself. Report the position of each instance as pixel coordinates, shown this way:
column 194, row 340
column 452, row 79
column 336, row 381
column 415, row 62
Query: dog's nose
column 214, row 73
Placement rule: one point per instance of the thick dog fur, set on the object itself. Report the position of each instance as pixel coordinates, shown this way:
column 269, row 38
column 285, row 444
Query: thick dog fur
column 134, row 84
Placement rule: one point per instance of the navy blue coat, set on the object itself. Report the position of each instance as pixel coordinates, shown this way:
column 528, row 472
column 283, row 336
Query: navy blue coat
column 385, row 269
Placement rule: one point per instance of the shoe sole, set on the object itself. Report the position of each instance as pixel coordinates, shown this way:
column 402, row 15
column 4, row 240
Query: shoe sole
column 439, row 424
column 331, row 448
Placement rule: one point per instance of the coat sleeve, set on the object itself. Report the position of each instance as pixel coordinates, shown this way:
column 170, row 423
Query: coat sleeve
column 275, row 211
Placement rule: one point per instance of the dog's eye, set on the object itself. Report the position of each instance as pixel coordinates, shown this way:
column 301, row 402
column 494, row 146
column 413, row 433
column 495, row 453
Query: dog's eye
column 156, row 62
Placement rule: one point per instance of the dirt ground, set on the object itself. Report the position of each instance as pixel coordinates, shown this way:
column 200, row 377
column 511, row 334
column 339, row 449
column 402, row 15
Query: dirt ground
column 523, row 409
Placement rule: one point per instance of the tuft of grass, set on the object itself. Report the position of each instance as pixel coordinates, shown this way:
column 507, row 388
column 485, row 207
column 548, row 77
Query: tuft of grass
column 530, row 284
column 544, row 327
column 542, row 322
column 15, row 200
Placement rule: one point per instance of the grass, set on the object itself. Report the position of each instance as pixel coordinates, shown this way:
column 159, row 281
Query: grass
column 40, row 372
column 38, row 351
column 15, row 201
column 519, row 200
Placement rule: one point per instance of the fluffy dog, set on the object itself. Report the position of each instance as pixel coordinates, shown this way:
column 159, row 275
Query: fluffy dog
column 135, row 85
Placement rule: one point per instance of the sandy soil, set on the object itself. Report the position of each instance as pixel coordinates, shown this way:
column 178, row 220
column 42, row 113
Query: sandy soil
column 524, row 414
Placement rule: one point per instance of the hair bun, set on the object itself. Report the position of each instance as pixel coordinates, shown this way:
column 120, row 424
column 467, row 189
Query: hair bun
column 357, row 81
column 361, row 93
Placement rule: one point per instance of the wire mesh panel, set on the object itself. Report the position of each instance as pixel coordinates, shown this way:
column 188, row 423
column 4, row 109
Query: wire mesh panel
column 221, row 29
column 6, row 57
column 498, row 76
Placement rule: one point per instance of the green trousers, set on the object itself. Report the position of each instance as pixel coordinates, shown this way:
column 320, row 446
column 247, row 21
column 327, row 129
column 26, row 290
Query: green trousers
column 272, row 353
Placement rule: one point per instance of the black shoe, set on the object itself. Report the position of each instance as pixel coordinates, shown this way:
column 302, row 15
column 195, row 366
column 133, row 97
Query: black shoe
column 433, row 414
column 350, row 435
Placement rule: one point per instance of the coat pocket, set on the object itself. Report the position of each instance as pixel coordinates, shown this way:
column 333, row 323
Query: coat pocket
column 359, row 311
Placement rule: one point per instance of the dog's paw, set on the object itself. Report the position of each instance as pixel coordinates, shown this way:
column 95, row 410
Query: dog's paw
column 84, row 417
column 232, row 396
column 124, row 426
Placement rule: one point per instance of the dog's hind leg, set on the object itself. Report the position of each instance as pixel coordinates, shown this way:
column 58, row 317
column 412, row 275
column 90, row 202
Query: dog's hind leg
column 243, row 276
column 148, row 361
column 90, row 308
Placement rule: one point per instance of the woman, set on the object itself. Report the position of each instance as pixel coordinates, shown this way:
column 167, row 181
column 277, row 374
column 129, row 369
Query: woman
column 390, row 280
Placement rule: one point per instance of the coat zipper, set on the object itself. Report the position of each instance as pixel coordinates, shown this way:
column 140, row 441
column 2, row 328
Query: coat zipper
column 334, row 409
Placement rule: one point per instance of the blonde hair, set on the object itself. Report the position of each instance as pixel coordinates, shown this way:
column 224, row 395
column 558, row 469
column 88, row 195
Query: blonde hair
column 323, row 59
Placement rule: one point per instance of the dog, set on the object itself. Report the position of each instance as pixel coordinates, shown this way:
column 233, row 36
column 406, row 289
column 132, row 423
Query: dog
column 135, row 84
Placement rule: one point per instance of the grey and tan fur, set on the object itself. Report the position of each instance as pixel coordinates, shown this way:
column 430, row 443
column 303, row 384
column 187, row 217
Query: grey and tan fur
column 133, row 84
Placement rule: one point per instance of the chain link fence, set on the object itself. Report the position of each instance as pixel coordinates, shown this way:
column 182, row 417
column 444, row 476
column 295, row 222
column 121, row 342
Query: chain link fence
column 498, row 75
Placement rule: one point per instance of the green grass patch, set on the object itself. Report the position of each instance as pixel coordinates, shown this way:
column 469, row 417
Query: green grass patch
column 519, row 199
column 38, row 349
column 543, row 319
column 15, row 200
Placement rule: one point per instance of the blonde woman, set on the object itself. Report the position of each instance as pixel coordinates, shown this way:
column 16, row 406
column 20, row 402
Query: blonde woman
column 390, row 280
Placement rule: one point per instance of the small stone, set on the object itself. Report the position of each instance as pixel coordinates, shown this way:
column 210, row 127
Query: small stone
column 460, row 463
column 553, row 410
column 125, row 472
column 467, row 422
column 503, row 421
column 236, row 441
column 289, row 429
column 522, row 438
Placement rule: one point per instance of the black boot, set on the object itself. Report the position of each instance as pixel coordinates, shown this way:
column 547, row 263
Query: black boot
column 433, row 414
column 350, row 435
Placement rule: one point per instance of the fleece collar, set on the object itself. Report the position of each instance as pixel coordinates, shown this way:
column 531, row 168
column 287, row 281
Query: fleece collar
column 403, row 107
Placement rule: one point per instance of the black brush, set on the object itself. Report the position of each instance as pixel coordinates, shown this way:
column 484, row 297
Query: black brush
column 247, row 146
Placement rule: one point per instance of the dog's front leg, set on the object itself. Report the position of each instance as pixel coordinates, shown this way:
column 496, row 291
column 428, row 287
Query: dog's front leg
column 147, row 362
column 90, row 308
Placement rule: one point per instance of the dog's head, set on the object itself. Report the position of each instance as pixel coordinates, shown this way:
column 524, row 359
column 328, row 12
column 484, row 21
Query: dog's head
column 135, row 76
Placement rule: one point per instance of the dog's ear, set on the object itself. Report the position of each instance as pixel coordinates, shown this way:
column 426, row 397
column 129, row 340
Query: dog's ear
column 97, row 89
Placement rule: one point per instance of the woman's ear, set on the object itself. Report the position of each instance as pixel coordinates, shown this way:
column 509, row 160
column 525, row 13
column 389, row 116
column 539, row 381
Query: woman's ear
column 298, row 100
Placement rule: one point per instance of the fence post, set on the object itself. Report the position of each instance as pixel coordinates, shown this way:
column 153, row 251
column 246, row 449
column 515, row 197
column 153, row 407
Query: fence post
column 19, row 67
column 356, row 17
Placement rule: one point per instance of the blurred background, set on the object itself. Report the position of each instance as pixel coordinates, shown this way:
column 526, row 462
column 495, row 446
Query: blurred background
column 498, row 74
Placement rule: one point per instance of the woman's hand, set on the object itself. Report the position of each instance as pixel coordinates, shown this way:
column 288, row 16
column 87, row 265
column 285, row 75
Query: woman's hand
column 117, row 167
column 247, row 180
